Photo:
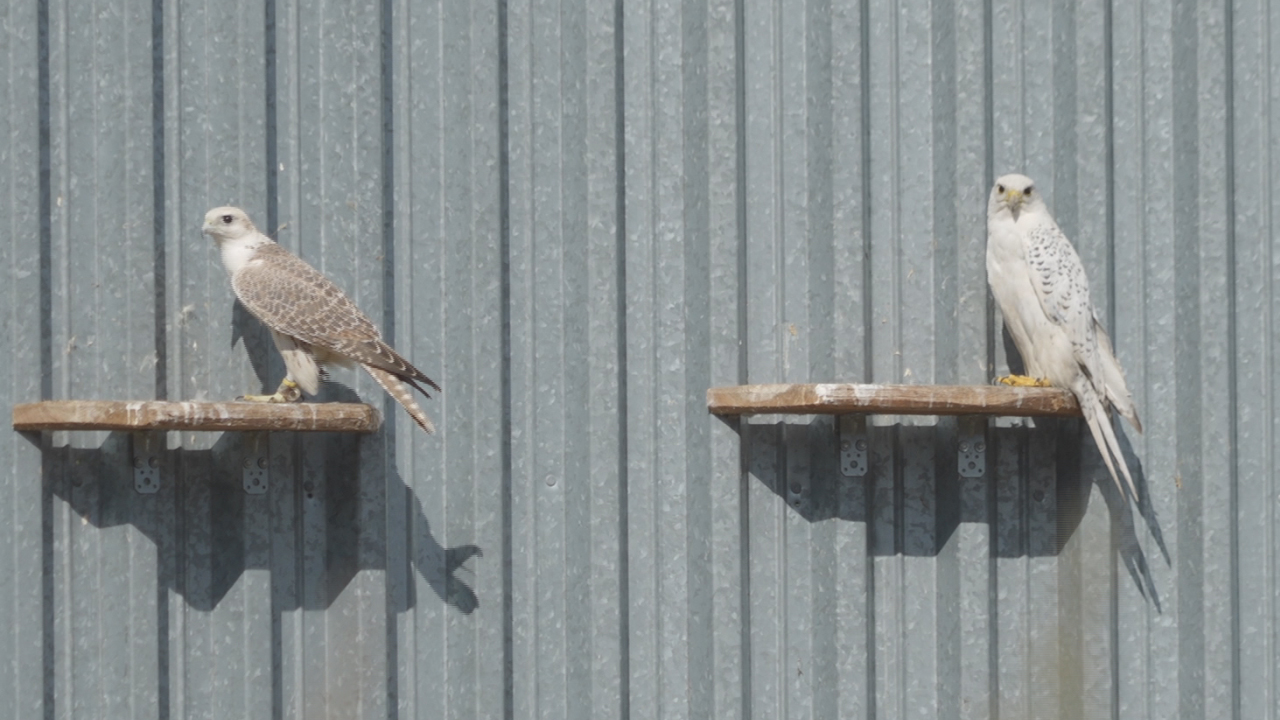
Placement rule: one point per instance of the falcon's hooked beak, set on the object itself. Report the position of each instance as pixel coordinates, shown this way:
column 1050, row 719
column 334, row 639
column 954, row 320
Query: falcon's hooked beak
column 1013, row 198
column 208, row 227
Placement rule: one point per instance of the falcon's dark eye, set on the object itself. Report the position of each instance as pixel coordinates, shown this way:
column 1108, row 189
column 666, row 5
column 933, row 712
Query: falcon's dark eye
column 1028, row 192
column 226, row 219
column 1000, row 189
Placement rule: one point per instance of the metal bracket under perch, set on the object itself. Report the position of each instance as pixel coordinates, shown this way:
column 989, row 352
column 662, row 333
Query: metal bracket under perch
column 849, row 398
column 141, row 415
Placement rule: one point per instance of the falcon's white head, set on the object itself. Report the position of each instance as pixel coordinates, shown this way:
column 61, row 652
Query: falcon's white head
column 235, row 236
column 227, row 223
column 1014, row 194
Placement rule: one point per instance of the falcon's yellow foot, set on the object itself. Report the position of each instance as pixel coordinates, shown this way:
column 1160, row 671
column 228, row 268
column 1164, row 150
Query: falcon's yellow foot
column 1023, row 381
column 287, row 392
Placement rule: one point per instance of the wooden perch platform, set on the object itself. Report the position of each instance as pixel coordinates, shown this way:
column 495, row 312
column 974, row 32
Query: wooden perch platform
column 847, row 398
column 155, row 415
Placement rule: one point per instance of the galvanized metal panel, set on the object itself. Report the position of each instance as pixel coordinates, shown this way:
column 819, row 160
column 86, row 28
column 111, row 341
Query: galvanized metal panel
column 850, row 331
column 567, row 540
column 1255, row 567
column 102, row 289
column 1206, row 567
column 446, row 528
column 683, row 227
column 713, row 293
column 577, row 217
column 25, row 567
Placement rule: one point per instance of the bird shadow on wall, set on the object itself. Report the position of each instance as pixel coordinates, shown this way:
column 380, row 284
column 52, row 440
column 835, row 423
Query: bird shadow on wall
column 323, row 518
column 1034, row 493
column 436, row 564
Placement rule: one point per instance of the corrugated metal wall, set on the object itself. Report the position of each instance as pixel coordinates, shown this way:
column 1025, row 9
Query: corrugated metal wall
column 578, row 216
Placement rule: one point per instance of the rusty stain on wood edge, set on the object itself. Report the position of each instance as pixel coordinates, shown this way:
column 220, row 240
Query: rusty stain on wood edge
column 206, row 416
column 851, row 398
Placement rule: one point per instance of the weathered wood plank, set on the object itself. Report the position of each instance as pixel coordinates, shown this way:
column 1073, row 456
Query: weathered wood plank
column 843, row 398
column 154, row 415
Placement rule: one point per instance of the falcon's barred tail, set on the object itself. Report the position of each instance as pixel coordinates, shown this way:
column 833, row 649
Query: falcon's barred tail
column 402, row 395
column 1099, row 422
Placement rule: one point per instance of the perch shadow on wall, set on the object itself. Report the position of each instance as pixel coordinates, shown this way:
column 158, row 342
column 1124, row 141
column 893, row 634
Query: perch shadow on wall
column 259, row 473
column 914, row 484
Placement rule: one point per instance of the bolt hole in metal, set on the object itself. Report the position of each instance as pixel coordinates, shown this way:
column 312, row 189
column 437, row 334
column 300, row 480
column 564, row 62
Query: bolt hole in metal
column 853, row 446
column 971, row 458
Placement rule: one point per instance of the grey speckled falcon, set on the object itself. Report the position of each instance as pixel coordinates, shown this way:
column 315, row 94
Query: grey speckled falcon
column 312, row 322
column 1039, row 283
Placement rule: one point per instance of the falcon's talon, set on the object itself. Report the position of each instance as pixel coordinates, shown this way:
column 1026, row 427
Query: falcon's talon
column 255, row 398
column 1023, row 381
column 276, row 398
column 287, row 392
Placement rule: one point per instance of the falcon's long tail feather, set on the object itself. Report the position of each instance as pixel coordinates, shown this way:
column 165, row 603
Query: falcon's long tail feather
column 1099, row 422
column 1113, row 378
column 398, row 390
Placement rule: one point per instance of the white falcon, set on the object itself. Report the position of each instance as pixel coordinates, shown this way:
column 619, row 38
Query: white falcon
column 312, row 321
column 1039, row 283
